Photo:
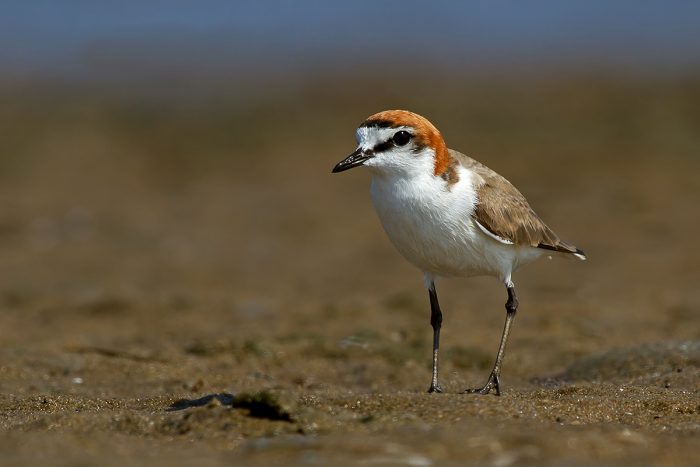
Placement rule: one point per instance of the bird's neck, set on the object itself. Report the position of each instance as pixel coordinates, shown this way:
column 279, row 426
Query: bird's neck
column 445, row 164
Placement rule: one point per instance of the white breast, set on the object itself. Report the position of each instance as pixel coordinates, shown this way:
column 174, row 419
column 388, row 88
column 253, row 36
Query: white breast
column 431, row 225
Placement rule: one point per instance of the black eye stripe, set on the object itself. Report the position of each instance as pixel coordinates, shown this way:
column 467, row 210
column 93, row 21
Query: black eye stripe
column 388, row 144
column 383, row 146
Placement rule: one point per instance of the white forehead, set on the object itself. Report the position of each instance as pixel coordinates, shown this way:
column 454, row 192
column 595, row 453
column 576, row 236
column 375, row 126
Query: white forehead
column 369, row 136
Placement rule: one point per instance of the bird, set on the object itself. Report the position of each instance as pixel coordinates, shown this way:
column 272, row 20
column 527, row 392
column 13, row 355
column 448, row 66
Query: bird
column 449, row 215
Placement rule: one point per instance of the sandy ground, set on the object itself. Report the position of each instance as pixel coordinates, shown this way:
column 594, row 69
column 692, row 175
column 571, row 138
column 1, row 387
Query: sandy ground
column 180, row 286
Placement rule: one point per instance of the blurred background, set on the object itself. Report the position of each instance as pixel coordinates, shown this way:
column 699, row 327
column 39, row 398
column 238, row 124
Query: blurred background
column 167, row 155
column 169, row 223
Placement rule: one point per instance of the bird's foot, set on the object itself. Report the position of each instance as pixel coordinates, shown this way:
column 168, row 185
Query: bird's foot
column 434, row 388
column 493, row 383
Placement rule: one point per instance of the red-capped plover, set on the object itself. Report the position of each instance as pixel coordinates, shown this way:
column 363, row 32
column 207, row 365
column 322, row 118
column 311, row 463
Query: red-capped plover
column 448, row 214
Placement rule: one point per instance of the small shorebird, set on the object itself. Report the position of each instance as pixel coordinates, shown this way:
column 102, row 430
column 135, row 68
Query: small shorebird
column 449, row 215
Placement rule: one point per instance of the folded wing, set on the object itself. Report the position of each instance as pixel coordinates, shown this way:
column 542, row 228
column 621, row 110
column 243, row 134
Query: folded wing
column 503, row 212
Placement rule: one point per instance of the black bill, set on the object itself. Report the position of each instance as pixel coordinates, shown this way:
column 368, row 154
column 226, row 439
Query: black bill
column 355, row 159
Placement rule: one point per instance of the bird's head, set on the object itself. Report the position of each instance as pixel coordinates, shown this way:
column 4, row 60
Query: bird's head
column 398, row 142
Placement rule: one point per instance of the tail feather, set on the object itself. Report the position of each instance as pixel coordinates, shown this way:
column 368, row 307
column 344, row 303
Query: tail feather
column 563, row 247
column 580, row 254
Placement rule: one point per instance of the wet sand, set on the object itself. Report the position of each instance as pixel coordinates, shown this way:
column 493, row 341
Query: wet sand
column 179, row 287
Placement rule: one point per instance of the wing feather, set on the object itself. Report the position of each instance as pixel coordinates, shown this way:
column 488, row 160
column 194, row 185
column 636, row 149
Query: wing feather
column 505, row 213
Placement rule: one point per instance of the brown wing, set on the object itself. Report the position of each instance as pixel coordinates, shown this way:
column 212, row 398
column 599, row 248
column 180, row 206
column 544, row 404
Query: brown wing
column 504, row 212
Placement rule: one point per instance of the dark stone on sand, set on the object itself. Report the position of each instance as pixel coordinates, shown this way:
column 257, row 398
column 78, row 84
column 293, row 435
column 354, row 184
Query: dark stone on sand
column 182, row 404
column 260, row 404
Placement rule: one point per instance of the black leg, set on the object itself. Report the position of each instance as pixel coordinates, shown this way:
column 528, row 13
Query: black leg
column 436, row 323
column 494, row 381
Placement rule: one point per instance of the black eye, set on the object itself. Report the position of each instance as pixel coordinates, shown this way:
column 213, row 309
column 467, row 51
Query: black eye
column 401, row 138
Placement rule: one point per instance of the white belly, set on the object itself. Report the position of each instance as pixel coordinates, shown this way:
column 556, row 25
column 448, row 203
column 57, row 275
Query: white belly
column 433, row 228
